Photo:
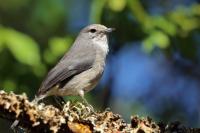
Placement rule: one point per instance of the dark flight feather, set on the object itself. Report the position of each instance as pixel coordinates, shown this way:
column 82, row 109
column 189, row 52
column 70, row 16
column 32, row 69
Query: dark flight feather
column 69, row 66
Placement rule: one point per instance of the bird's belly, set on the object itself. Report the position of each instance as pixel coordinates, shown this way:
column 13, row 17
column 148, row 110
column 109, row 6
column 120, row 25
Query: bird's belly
column 84, row 81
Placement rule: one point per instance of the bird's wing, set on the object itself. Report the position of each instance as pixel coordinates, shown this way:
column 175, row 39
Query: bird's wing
column 66, row 69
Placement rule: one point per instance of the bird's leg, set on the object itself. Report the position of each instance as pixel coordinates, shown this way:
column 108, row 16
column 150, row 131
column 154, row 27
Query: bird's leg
column 81, row 94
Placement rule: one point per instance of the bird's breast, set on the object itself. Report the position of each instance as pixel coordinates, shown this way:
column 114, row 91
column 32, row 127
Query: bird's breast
column 102, row 44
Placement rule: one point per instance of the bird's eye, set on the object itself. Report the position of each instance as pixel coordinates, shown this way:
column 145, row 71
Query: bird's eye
column 93, row 30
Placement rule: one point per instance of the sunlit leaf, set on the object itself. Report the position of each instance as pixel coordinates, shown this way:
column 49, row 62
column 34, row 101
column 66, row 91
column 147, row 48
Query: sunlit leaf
column 156, row 38
column 184, row 19
column 57, row 47
column 117, row 5
column 164, row 24
column 148, row 45
column 24, row 48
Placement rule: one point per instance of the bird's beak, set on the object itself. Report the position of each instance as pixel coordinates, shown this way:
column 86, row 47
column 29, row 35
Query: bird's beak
column 108, row 30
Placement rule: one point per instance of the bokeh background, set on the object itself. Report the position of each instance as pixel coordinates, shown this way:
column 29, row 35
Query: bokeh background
column 153, row 67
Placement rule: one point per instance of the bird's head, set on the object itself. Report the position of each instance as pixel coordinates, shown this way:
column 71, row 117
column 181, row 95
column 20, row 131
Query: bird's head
column 96, row 31
column 97, row 34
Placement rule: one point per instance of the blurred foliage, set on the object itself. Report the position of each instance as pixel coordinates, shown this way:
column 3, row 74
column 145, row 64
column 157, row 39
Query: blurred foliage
column 156, row 38
column 23, row 47
column 57, row 47
column 117, row 5
column 97, row 10
column 34, row 34
column 28, row 43
column 158, row 30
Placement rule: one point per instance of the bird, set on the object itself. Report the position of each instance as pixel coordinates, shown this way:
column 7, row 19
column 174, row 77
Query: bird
column 81, row 68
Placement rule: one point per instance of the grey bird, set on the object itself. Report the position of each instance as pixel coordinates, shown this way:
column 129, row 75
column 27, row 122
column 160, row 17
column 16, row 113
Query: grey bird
column 81, row 67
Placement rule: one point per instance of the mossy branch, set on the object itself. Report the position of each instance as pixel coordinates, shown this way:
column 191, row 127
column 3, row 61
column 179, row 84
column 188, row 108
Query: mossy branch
column 76, row 118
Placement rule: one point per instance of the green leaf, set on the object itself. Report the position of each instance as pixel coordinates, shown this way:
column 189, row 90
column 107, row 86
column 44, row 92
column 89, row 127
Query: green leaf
column 156, row 38
column 23, row 48
column 117, row 5
column 57, row 47
column 184, row 19
column 164, row 24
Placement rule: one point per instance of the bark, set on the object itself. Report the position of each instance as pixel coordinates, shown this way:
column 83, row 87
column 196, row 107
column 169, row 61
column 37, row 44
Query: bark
column 76, row 117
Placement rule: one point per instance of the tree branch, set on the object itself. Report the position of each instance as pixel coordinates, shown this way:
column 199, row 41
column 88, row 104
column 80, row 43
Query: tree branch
column 75, row 117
